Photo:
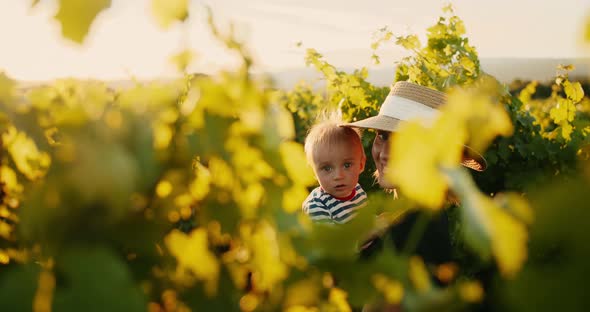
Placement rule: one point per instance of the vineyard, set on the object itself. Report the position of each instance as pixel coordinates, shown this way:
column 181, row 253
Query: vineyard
column 186, row 195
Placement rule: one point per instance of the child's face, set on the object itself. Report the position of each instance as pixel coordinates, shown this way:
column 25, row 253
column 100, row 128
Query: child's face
column 338, row 167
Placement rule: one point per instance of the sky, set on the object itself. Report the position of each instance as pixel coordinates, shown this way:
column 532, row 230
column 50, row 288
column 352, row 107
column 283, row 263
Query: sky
column 125, row 40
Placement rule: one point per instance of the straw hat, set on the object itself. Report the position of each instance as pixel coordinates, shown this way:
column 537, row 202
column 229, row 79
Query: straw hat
column 406, row 101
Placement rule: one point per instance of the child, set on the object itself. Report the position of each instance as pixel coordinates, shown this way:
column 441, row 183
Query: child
column 337, row 157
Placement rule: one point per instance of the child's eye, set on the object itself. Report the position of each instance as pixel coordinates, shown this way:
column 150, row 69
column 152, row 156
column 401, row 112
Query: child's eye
column 383, row 135
column 327, row 168
column 347, row 165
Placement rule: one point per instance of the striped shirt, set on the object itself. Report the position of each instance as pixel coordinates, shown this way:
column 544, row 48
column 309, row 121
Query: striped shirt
column 325, row 208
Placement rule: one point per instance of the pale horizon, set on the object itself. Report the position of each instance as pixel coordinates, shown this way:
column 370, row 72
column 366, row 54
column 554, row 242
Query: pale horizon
column 125, row 41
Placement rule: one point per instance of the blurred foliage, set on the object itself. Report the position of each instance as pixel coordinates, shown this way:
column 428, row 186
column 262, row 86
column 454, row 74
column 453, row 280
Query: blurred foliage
column 186, row 194
column 76, row 17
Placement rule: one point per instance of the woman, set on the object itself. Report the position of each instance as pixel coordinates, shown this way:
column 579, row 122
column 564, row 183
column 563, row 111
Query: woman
column 408, row 101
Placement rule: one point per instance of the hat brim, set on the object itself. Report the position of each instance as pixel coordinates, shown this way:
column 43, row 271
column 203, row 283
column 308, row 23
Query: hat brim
column 378, row 122
column 471, row 158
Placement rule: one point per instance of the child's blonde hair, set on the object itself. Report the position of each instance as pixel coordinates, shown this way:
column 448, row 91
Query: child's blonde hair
column 326, row 132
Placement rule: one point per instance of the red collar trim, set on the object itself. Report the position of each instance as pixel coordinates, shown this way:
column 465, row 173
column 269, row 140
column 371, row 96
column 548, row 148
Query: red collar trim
column 349, row 197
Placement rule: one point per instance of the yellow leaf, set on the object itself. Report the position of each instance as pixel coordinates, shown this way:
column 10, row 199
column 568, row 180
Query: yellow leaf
column 76, row 16
column 301, row 308
column 192, row 252
column 471, row 291
column 4, row 257
column 564, row 112
column 558, row 114
column 163, row 134
column 509, row 240
column 418, row 154
column 249, row 302
column 164, row 188
column 566, row 131
column 249, row 199
column 338, row 299
column 484, row 117
column 280, row 119
column 448, row 8
column 393, row 291
column 468, row 64
column 248, row 160
column 437, row 30
column 199, row 187
column 295, row 163
column 221, row 173
column 410, row 42
column 10, row 180
column 5, row 230
column 28, row 159
column 167, row 12
column 573, row 91
column 448, row 50
column 44, row 295
column 293, row 197
column 419, row 275
column 459, row 26
column 7, row 86
column 302, row 293
column 270, row 270
column 413, row 167
column 183, row 59
column 516, row 205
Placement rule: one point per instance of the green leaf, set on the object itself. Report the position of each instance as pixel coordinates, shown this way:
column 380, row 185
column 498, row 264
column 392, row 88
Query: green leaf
column 94, row 279
column 17, row 286
column 76, row 17
column 559, row 253
column 167, row 12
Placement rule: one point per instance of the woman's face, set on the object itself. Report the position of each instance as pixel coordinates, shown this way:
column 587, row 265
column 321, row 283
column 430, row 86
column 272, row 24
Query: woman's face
column 380, row 152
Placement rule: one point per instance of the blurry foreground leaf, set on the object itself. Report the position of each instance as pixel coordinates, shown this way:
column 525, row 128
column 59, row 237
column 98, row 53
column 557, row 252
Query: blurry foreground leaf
column 76, row 17
column 183, row 59
column 296, row 164
column 555, row 276
column 7, row 86
column 94, row 279
column 192, row 252
column 270, row 269
column 28, row 159
column 17, row 286
column 480, row 110
column 490, row 229
column 418, row 152
column 168, row 11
